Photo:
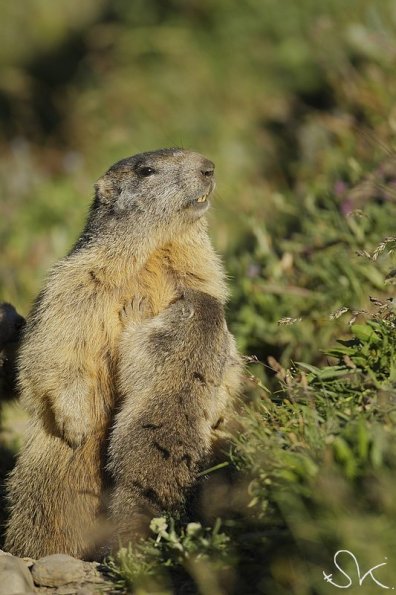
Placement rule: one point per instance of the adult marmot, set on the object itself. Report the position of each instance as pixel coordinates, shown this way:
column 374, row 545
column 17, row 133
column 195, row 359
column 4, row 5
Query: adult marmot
column 145, row 236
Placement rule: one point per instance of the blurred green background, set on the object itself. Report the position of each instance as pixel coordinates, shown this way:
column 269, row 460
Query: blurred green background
column 295, row 101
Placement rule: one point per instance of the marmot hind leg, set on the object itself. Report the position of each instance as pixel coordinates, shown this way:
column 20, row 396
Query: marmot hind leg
column 55, row 496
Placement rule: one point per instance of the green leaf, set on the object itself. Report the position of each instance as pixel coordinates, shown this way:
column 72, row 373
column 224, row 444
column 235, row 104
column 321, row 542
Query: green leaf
column 364, row 333
column 313, row 369
column 332, row 372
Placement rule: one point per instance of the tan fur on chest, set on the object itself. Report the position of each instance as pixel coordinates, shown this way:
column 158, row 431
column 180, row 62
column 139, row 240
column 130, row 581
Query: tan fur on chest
column 189, row 262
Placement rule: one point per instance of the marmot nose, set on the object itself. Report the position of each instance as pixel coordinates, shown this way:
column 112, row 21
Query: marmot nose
column 207, row 168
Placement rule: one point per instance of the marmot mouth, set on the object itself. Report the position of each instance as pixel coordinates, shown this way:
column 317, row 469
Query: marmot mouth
column 199, row 204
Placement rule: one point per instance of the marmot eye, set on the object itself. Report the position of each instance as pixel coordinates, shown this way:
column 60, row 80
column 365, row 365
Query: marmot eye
column 146, row 171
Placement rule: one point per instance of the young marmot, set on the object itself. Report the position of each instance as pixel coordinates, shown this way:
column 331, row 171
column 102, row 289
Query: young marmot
column 145, row 236
column 172, row 372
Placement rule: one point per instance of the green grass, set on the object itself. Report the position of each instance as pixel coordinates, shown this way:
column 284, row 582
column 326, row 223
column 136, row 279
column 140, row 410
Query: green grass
column 295, row 102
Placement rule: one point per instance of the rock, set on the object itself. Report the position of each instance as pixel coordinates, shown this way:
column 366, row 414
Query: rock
column 92, row 590
column 15, row 578
column 66, row 590
column 57, row 570
column 29, row 562
column 94, row 582
column 92, row 573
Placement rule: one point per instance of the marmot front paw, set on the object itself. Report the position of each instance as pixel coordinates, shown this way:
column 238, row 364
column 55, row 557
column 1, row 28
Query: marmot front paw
column 136, row 310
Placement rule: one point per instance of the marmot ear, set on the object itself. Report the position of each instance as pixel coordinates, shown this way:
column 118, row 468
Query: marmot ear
column 106, row 190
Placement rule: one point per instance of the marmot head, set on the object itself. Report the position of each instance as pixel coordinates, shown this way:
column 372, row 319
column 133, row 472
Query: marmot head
column 164, row 186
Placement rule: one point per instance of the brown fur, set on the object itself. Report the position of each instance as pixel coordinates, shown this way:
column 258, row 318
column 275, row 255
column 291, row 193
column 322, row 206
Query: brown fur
column 172, row 380
column 145, row 236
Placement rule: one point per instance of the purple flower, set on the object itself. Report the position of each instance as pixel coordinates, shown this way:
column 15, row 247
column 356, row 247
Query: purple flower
column 340, row 187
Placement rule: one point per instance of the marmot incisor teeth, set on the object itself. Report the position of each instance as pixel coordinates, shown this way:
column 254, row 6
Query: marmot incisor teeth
column 146, row 236
column 171, row 371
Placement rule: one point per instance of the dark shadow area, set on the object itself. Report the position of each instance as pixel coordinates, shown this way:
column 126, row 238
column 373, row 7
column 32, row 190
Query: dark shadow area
column 48, row 76
column 11, row 327
column 7, row 462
